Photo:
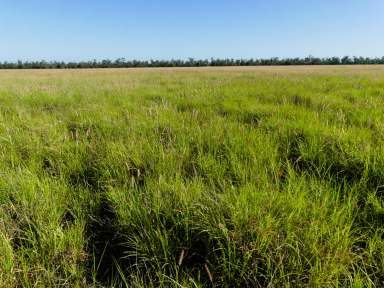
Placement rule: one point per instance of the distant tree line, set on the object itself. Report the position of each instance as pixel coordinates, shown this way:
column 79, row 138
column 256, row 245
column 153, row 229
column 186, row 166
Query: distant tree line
column 123, row 63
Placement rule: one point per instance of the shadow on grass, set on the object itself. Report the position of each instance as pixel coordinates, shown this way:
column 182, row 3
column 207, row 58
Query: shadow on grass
column 105, row 246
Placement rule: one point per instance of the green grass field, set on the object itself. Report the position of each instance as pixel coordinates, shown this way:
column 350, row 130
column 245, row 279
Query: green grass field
column 214, row 177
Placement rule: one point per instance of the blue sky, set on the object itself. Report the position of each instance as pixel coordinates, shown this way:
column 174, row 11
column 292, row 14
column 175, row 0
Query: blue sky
column 73, row 30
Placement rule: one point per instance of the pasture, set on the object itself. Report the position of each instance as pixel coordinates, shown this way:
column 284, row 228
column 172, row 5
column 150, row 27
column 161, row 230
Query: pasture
column 192, row 177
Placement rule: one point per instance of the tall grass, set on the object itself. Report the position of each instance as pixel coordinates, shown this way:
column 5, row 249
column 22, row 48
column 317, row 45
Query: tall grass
column 267, row 177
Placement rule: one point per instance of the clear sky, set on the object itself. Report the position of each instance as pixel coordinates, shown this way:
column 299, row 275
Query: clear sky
column 73, row 30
